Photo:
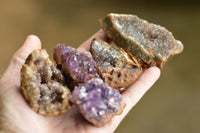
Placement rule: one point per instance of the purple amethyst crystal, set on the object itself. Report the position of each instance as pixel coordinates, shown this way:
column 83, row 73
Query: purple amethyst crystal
column 62, row 51
column 78, row 67
column 81, row 67
column 97, row 101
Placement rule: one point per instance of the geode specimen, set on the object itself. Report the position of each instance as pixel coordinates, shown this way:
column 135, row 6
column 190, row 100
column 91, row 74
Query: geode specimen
column 43, row 86
column 117, row 68
column 61, row 52
column 150, row 44
column 77, row 67
column 97, row 102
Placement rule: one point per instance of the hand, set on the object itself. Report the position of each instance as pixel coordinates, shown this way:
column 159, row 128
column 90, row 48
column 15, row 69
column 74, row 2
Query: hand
column 17, row 116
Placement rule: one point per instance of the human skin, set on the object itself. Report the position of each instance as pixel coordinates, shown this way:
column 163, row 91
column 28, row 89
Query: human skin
column 17, row 117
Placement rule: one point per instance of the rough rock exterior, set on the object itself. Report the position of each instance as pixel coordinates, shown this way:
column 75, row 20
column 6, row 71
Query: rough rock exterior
column 150, row 44
column 43, row 86
column 97, row 102
column 117, row 68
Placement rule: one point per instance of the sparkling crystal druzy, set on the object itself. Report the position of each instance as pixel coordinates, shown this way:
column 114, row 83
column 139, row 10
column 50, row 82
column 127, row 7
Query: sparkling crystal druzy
column 62, row 51
column 151, row 44
column 43, row 85
column 79, row 66
column 97, row 102
column 117, row 68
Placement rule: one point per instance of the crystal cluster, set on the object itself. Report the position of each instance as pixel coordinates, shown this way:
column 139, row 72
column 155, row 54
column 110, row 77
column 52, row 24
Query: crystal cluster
column 79, row 67
column 97, row 101
column 43, row 86
column 151, row 44
column 117, row 68
column 62, row 51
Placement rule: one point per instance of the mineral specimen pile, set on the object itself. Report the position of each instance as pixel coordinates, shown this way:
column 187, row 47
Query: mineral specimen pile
column 117, row 68
column 96, row 79
column 77, row 67
column 43, row 86
column 150, row 44
column 97, row 102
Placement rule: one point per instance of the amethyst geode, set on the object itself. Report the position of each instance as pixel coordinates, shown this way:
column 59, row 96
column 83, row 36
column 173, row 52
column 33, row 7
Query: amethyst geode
column 77, row 67
column 97, row 101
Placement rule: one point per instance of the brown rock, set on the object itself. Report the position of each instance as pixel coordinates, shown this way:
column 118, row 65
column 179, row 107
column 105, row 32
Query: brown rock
column 150, row 44
column 117, row 68
column 43, row 86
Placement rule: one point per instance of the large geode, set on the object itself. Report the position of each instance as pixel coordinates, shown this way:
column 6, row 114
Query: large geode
column 43, row 86
column 77, row 67
column 117, row 68
column 151, row 44
column 97, row 101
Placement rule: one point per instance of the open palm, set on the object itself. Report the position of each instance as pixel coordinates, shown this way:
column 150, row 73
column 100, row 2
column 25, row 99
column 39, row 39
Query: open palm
column 17, row 116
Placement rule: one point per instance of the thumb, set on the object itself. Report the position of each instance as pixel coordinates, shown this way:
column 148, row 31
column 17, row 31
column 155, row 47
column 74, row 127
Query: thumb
column 12, row 73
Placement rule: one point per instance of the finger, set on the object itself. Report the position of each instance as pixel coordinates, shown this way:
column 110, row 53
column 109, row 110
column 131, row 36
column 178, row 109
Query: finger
column 32, row 43
column 141, row 86
column 13, row 71
column 99, row 35
column 133, row 94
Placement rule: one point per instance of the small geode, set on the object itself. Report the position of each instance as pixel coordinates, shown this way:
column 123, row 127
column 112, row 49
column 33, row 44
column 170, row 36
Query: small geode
column 117, row 68
column 150, row 44
column 77, row 67
column 97, row 102
column 43, row 86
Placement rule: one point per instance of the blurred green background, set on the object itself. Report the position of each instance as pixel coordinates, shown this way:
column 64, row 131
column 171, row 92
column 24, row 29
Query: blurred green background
column 173, row 103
